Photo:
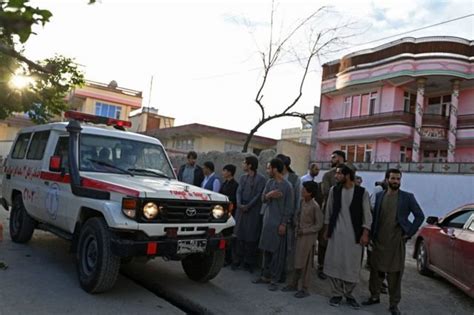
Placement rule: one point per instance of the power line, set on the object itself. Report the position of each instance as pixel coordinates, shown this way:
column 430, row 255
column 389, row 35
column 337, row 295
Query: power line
column 416, row 29
column 353, row 45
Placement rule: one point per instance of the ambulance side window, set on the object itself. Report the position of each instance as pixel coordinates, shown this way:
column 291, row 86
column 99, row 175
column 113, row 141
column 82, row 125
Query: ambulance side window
column 62, row 150
column 19, row 150
column 37, row 146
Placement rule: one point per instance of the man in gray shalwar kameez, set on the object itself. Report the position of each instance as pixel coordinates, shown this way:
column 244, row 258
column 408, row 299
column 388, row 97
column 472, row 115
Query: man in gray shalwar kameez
column 348, row 220
column 295, row 182
column 278, row 196
column 249, row 203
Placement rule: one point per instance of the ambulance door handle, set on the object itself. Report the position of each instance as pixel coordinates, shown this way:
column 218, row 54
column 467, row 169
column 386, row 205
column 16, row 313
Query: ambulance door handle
column 8, row 176
column 46, row 183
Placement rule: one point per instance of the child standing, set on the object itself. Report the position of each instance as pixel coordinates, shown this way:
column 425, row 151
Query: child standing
column 308, row 220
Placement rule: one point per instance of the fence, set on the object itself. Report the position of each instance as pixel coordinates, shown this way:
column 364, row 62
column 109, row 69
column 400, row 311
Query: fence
column 447, row 168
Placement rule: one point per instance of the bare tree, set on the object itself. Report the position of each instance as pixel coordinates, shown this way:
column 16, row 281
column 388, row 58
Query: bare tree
column 320, row 41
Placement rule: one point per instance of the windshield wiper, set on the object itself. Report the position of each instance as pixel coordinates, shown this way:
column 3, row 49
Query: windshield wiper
column 149, row 171
column 112, row 166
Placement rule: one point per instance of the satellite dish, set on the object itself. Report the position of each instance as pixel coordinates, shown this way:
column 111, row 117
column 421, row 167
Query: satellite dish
column 113, row 84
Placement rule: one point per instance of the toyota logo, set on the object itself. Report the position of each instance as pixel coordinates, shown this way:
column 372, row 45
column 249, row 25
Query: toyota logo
column 191, row 212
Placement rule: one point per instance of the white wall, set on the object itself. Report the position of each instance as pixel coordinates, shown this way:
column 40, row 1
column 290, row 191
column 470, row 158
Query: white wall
column 436, row 193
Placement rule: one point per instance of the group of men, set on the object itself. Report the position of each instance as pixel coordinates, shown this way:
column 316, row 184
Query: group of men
column 285, row 215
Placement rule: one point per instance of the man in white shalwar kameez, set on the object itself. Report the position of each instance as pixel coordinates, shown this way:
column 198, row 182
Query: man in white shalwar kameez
column 347, row 221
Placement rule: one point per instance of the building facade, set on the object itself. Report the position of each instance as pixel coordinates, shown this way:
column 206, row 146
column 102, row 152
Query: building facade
column 147, row 118
column 107, row 100
column 411, row 100
column 93, row 98
column 300, row 134
column 203, row 138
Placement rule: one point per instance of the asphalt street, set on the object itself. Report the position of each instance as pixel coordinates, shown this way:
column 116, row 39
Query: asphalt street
column 41, row 279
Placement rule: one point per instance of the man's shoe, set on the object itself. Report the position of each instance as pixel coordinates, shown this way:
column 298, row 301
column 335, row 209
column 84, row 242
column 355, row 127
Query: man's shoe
column 301, row 294
column 371, row 301
column 335, row 301
column 261, row 280
column 353, row 303
column 289, row 288
column 394, row 310
column 273, row 286
column 321, row 275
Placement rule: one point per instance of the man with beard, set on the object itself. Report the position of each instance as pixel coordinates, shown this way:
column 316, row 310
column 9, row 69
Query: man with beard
column 313, row 172
column 190, row 172
column 337, row 158
column 278, row 196
column 347, row 224
column 390, row 231
column 249, row 203
column 295, row 182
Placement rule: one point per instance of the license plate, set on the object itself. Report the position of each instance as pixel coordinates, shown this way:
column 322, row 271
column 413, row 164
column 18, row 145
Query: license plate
column 191, row 246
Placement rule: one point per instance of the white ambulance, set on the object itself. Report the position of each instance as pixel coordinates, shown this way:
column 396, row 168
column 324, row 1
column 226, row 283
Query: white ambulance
column 115, row 196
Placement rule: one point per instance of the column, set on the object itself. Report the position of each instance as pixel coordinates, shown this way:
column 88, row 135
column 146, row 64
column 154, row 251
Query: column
column 453, row 121
column 420, row 97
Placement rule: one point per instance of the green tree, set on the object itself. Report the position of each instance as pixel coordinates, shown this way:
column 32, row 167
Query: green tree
column 49, row 80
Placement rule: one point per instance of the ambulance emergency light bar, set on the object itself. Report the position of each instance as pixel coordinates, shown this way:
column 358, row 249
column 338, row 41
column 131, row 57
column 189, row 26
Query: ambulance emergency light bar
column 120, row 124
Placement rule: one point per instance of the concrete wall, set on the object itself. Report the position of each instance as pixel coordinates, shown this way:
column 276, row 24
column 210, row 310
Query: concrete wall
column 466, row 102
column 437, row 194
column 299, row 154
column 220, row 159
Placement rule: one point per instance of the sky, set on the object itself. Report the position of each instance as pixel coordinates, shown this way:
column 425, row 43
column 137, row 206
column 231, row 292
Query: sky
column 205, row 56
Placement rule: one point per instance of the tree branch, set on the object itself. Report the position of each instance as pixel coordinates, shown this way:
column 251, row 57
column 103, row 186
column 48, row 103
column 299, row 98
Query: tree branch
column 6, row 50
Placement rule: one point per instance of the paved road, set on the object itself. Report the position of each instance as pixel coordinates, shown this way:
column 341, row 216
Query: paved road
column 232, row 292
column 42, row 276
column 41, row 279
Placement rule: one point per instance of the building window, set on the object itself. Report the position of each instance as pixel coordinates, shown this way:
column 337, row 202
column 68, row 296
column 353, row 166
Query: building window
column 405, row 154
column 358, row 152
column 107, row 110
column 433, row 156
column 439, row 105
column 184, row 144
column 409, row 102
column 347, row 106
column 232, row 147
column 372, row 102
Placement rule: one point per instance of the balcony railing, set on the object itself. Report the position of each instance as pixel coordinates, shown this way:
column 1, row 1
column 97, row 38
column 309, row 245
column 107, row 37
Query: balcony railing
column 435, row 121
column 381, row 119
column 399, row 118
column 466, row 121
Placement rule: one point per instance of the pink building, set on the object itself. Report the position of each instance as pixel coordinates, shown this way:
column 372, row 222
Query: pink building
column 411, row 100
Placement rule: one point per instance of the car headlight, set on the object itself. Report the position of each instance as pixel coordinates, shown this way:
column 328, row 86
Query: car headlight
column 150, row 210
column 218, row 212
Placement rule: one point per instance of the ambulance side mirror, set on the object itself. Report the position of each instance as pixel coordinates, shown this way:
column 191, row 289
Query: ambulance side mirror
column 55, row 163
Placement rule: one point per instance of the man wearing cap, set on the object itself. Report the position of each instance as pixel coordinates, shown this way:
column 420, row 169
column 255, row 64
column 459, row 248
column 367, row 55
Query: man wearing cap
column 337, row 158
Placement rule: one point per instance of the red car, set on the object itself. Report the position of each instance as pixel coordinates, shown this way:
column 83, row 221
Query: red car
column 446, row 246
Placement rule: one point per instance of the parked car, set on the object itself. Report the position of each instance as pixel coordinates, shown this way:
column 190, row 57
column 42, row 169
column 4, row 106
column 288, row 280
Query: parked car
column 445, row 246
column 114, row 195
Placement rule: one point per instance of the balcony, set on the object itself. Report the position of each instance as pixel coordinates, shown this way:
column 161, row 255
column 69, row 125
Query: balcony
column 377, row 120
column 466, row 121
column 435, row 121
